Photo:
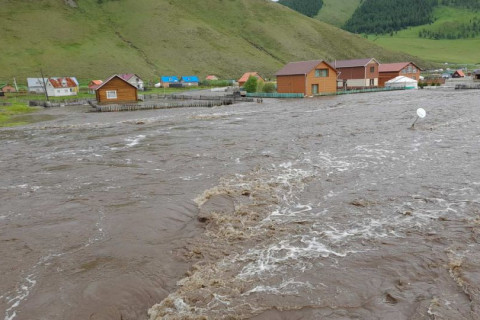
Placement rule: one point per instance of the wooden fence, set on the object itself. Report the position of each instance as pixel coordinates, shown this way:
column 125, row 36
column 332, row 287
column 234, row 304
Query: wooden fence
column 59, row 103
column 135, row 107
column 467, row 86
column 147, row 97
column 275, row 95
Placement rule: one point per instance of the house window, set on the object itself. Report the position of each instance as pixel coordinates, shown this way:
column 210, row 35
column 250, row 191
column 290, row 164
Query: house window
column 372, row 69
column 321, row 73
column 112, row 94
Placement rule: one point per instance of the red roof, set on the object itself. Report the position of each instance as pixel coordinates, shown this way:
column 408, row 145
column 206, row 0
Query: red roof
column 247, row 75
column 352, row 63
column 300, row 67
column 94, row 84
column 115, row 76
column 62, row 82
column 460, row 73
column 394, row 67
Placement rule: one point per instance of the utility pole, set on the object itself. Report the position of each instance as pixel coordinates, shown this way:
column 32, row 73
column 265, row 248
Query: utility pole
column 44, row 85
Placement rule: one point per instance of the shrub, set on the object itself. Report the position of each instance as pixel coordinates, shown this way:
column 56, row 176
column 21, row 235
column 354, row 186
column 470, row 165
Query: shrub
column 269, row 87
column 260, row 85
column 251, row 84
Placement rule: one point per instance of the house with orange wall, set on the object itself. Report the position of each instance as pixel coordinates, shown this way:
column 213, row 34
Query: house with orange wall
column 308, row 77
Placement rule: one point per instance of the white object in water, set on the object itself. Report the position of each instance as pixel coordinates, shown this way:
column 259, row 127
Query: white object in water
column 421, row 112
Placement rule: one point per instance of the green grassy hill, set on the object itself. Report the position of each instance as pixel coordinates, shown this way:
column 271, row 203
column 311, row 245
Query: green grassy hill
column 164, row 37
column 337, row 12
column 458, row 51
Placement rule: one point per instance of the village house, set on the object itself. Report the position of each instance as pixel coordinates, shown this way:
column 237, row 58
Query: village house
column 358, row 73
column 36, row 85
column 166, row 81
column 93, row 85
column 458, row 74
column 247, row 75
column 62, row 87
column 189, row 81
column 116, row 90
column 476, row 74
column 211, row 77
column 388, row 71
column 133, row 79
column 7, row 88
column 307, row 77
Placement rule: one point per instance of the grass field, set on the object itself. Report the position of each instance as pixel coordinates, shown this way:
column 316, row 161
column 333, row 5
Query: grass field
column 158, row 37
column 9, row 113
column 460, row 51
column 337, row 12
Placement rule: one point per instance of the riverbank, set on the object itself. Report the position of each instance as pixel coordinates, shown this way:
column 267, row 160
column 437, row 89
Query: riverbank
column 17, row 114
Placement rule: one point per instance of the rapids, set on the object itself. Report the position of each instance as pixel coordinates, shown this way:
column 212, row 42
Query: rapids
column 321, row 208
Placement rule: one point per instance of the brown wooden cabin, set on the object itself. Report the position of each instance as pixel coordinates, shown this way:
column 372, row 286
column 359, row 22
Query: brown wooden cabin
column 389, row 71
column 116, row 90
column 307, row 77
column 357, row 73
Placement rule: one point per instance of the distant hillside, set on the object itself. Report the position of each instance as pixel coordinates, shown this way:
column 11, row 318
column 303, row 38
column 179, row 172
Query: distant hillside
column 385, row 16
column 337, row 12
column 439, row 48
column 165, row 37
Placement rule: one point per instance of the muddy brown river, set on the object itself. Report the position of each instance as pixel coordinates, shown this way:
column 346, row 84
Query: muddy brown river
column 320, row 208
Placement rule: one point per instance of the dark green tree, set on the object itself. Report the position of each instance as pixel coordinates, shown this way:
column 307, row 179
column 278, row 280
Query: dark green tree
column 309, row 8
column 251, row 84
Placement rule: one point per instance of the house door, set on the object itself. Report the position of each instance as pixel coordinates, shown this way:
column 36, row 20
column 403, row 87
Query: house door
column 372, row 82
column 314, row 88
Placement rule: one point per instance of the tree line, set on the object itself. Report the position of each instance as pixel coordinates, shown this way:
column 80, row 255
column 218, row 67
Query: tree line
column 388, row 16
column 467, row 4
column 466, row 30
column 309, row 8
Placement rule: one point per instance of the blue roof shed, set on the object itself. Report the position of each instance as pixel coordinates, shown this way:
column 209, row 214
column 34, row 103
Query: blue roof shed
column 189, row 79
column 169, row 79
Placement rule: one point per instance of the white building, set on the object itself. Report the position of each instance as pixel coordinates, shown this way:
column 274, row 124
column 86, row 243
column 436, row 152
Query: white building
column 61, row 87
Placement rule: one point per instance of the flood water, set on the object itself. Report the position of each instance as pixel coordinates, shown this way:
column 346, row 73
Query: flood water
column 322, row 208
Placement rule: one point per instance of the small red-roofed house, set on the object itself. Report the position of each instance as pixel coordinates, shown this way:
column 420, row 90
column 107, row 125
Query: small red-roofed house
column 247, row 75
column 458, row 74
column 93, row 85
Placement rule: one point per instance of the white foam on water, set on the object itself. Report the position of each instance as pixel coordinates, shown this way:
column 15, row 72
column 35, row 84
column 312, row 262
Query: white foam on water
column 135, row 140
column 288, row 253
column 22, row 292
column 289, row 286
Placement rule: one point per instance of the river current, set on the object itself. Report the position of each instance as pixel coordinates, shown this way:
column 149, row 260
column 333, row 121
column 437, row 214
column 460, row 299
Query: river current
column 319, row 208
